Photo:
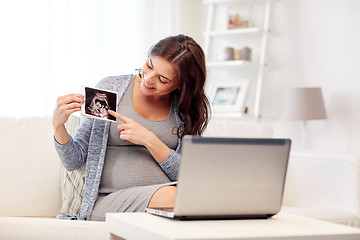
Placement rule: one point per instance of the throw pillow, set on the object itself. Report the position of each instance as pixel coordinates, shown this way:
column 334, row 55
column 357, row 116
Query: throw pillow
column 72, row 183
column 72, row 187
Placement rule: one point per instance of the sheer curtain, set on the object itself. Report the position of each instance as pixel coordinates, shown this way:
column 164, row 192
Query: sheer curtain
column 52, row 47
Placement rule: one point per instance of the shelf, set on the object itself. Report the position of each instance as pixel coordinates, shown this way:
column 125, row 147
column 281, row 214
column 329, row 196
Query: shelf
column 235, row 63
column 237, row 116
column 232, row 1
column 227, row 115
column 232, row 32
column 217, row 37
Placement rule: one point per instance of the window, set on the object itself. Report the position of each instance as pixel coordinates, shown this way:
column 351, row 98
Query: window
column 53, row 47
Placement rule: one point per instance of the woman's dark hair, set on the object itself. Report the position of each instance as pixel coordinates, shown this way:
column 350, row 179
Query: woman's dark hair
column 189, row 60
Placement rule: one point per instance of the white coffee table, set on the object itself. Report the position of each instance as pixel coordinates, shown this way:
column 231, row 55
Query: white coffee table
column 283, row 226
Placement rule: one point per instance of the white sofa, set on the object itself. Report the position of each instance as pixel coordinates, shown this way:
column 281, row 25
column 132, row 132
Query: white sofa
column 324, row 185
column 30, row 176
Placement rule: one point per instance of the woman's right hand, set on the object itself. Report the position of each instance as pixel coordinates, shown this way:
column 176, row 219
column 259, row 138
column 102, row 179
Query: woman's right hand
column 66, row 105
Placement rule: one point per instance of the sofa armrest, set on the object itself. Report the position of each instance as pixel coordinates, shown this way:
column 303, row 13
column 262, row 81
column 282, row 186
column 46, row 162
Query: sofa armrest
column 30, row 168
column 323, row 179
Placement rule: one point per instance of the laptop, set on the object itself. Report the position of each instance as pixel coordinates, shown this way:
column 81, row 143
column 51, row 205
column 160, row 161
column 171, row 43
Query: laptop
column 229, row 178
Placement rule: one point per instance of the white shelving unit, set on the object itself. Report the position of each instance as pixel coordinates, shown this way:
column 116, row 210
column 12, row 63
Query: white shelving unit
column 258, row 32
column 233, row 63
column 251, row 30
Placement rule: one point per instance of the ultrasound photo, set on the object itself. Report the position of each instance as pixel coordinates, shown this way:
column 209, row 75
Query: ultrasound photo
column 98, row 102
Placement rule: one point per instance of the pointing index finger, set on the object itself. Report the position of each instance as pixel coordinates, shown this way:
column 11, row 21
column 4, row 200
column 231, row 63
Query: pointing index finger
column 119, row 116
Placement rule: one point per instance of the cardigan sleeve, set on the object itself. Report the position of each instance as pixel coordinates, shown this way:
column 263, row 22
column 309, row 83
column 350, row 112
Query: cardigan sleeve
column 171, row 165
column 73, row 153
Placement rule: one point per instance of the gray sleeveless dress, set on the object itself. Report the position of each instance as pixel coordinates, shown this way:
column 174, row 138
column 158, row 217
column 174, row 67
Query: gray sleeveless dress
column 131, row 175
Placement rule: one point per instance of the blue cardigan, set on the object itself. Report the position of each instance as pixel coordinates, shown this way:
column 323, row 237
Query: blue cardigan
column 90, row 142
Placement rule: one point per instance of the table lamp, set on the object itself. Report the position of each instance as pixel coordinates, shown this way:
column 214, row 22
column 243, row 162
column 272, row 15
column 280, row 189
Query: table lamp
column 303, row 104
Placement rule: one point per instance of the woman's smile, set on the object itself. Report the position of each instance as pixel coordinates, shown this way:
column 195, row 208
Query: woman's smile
column 147, row 85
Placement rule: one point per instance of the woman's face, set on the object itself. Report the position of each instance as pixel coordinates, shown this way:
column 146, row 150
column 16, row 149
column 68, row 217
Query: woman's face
column 159, row 77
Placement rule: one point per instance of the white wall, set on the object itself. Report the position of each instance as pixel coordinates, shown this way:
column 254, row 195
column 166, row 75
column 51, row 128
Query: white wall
column 189, row 18
column 316, row 43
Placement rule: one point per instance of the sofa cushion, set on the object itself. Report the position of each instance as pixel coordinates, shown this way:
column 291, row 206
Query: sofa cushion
column 323, row 179
column 50, row 228
column 30, row 168
column 334, row 215
column 233, row 128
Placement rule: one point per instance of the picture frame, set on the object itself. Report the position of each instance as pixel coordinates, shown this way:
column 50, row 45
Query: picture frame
column 98, row 102
column 228, row 96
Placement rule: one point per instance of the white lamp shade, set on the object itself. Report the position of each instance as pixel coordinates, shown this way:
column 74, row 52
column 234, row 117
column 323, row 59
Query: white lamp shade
column 304, row 104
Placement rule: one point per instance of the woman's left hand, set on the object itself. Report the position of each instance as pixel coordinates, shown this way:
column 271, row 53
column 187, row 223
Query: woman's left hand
column 132, row 131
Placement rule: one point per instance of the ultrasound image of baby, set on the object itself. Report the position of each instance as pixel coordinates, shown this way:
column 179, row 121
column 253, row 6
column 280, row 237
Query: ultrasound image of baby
column 98, row 102
column 99, row 105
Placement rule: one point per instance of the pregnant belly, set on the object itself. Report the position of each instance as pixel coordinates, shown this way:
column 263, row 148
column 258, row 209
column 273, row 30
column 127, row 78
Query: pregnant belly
column 130, row 166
